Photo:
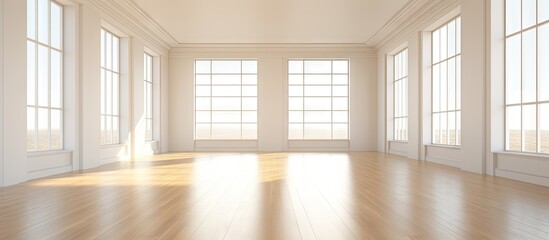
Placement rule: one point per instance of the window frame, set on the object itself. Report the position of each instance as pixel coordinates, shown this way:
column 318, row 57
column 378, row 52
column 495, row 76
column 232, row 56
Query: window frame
column 457, row 89
column 241, row 97
column 148, row 96
column 404, row 97
column 104, row 102
column 36, row 106
column 537, row 103
column 331, row 85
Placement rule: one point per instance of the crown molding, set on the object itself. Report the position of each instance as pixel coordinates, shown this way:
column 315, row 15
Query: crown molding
column 182, row 50
column 134, row 19
column 417, row 14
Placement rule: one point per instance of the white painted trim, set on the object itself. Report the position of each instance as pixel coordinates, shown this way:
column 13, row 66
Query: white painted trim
column 183, row 50
column 443, row 161
column 48, row 172
column 534, row 179
column 127, row 14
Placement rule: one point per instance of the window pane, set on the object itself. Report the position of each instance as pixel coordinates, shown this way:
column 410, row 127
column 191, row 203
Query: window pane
column 529, row 128
column 318, row 91
column 513, row 128
column 341, row 66
column 202, row 103
column 318, row 131
column 544, row 127
column 203, row 91
column 203, row 79
column 436, row 88
column 443, row 86
column 56, row 90
column 295, row 91
column 202, row 66
column 513, row 16
column 341, row 79
column 452, row 128
column 249, row 116
column 103, row 130
column 203, row 117
column 443, row 128
column 109, row 94
column 318, row 79
column 226, row 67
column 103, row 46
column 249, row 131
column 451, row 38
column 56, row 130
column 56, row 26
column 202, row 131
column 528, row 13
column 458, row 82
column 249, row 103
column 295, row 66
column 341, row 116
column 226, row 79
column 436, row 129
column 226, row 131
column 108, row 51
column 115, row 94
column 436, row 46
column 318, row 66
column 249, row 66
column 318, row 103
column 340, row 103
column 295, row 116
column 43, row 129
column 115, row 54
column 458, row 35
column 318, row 116
column 249, row 79
column 443, row 43
column 249, row 91
column 340, row 91
column 31, row 19
column 513, row 69
column 115, row 130
column 295, row 103
column 452, row 84
column 543, row 11
column 226, row 116
column 226, row 91
column 31, row 129
column 341, row 131
column 31, row 73
column 529, row 66
column 295, row 131
column 295, row 79
column 543, row 58
column 43, row 73
column 226, row 103
column 43, row 21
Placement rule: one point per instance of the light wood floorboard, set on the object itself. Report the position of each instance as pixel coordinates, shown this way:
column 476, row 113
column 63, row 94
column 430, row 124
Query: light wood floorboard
column 274, row 196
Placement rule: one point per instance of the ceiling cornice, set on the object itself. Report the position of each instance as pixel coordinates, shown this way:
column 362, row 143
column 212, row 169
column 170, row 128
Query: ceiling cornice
column 135, row 19
column 414, row 15
column 354, row 49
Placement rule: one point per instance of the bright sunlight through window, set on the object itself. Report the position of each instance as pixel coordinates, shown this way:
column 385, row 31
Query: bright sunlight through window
column 44, row 75
column 527, row 76
column 225, row 99
column 318, row 99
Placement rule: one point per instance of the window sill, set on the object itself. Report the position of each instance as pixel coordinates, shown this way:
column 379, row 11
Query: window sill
column 396, row 141
column 444, row 146
column 542, row 156
column 48, row 152
column 112, row 145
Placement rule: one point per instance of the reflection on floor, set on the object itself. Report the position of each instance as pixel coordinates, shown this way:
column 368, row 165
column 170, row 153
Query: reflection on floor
column 274, row 196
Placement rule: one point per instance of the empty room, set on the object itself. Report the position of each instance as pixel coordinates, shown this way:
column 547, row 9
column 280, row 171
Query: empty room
column 263, row 119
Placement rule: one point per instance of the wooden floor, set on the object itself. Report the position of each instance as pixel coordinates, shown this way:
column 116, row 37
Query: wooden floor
column 274, row 196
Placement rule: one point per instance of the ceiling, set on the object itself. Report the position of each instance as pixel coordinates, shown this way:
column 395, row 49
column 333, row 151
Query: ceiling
column 271, row 21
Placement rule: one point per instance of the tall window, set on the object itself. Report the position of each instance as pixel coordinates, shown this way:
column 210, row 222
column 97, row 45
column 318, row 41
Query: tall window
column 318, row 99
column 527, row 76
column 148, row 92
column 400, row 95
column 110, row 88
column 446, row 85
column 225, row 99
column 44, row 75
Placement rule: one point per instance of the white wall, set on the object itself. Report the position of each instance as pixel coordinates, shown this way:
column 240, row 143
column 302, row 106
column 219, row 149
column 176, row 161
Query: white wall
column 272, row 100
column 82, row 93
column 470, row 155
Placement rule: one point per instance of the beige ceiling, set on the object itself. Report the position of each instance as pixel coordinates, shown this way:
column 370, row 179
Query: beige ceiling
column 271, row 21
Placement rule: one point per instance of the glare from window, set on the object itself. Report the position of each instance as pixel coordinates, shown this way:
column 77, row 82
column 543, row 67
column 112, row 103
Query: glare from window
column 225, row 99
column 527, row 76
column 44, row 75
column 318, row 99
column 400, row 95
column 148, row 96
column 446, row 84
column 110, row 88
